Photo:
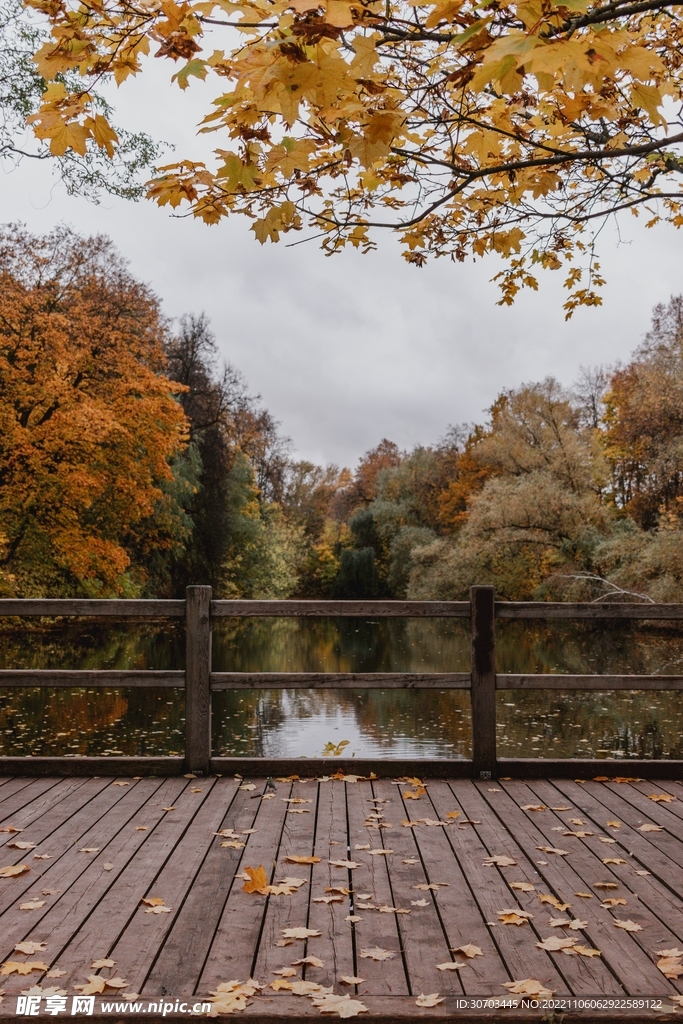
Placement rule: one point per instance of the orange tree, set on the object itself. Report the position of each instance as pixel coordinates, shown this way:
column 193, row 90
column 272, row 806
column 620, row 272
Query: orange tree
column 88, row 423
column 466, row 126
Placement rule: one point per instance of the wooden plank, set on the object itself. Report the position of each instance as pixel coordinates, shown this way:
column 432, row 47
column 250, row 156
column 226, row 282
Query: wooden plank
column 42, row 809
column 483, row 671
column 88, row 766
column 576, row 767
column 235, row 943
column 422, row 933
column 375, row 929
column 123, row 609
column 79, row 881
column 111, row 913
column 551, row 681
column 136, row 948
column 297, row 838
column 340, row 680
column 88, row 677
column 460, row 916
column 188, row 941
column 19, row 792
column 336, row 944
column 390, row 768
column 569, row 610
column 197, row 686
column 343, row 609
column 578, row 873
column 489, row 885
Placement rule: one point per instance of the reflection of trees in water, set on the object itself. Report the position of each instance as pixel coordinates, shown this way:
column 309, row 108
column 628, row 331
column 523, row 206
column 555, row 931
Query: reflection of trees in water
column 540, row 723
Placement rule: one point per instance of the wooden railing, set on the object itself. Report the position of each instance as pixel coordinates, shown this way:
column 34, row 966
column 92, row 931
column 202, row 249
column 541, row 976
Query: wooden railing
column 198, row 680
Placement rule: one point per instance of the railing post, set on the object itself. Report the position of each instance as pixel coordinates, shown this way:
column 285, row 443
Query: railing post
column 483, row 680
column 197, row 679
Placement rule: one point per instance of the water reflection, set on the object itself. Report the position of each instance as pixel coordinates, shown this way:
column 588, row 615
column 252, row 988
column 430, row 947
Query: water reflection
column 377, row 723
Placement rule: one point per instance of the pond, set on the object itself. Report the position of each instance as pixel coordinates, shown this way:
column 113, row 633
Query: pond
column 374, row 723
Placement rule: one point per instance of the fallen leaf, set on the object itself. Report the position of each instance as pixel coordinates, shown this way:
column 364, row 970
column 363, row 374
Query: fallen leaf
column 528, row 987
column 131, row 997
column 118, row 784
column 577, row 821
column 419, row 903
column 280, row 983
column 42, row 856
column 614, row 824
column 350, row 979
column 366, row 906
column 295, row 859
column 258, row 880
column 628, row 926
column 314, row 961
column 32, row 905
column 328, row 899
column 55, row 973
column 11, row 828
column 286, row 972
column 97, row 964
column 94, row 984
column 562, row 808
column 432, row 1000
column 579, row 835
column 411, row 860
column 343, row 863
column 29, row 948
column 577, row 925
column 661, row 798
column 284, row 942
column 91, row 849
column 453, row 814
column 670, row 952
column 584, row 895
column 522, row 886
column 534, row 807
column 605, row 839
column 414, row 794
column 375, row 953
column 553, row 849
column 606, row 885
column 50, row 892
column 168, row 808
column 426, row 886
column 450, row 965
column 559, row 922
column 468, row 950
column 249, row 786
column 392, row 910
column 614, row 901
column 307, row 988
column 358, row 846
column 613, row 860
column 545, row 897
column 650, row 828
column 21, row 845
column 25, row 967
column 500, row 860
column 643, row 873
column 158, row 910
column 353, row 918
column 378, row 853
column 301, row 933
column 14, row 869
column 510, row 917
column 587, row 951
column 115, row 982
column 233, row 844
column 153, row 901
column 345, row 1006
column 671, row 967
column 555, row 942
column 295, row 882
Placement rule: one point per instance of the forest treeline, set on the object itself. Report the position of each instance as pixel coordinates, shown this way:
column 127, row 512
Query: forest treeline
column 133, row 463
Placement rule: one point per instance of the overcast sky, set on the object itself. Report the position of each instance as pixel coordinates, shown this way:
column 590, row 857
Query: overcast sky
column 349, row 349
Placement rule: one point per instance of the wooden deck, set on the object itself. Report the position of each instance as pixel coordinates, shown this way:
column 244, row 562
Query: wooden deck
column 103, row 844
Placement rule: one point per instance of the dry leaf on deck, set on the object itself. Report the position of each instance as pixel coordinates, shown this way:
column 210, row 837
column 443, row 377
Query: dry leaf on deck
column 42, row 856
column 314, row 961
column 650, row 828
column 553, row 849
column 97, row 964
column 286, row 972
column 158, row 910
column 55, row 973
column 307, row 988
column 545, row 897
column 468, row 950
column 343, row 863
column 258, row 880
column 432, row 1000
column 414, row 794
column 643, row 873
column 671, row 967
column 21, row 845
column 614, row 901
column 425, row 886
column 606, row 885
column 522, row 886
column 562, row 808
column 534, row 807
column 120, row 784
column 578, row 821
column 328, row 899
column 300, row 933
column 500, row 860
column 613, row 860
column 453, row 814
column 605, row 839
column 670, row 952
column 153, row 901
column 345, row 1006
column 94, row 984
column 14, row 869
column 280, row 983
column 419, row 903
column 353, row 918
column 11, row 828
column 233, row 844
column 555, row 942
column 512, row 917
column 248, row 786
column 661, row 798
column 343, row 891
column 350, row 979
column 528, row 987
column 376, row 953
column 409, row 860
column 15, row 967
column 628, row 926
column 29, row 948
column 295, row 859
column 115, row 982
column 90, row 849
column 284, row 942
column 378, row 853
column 168, row 808
column 614, row 824
column 586, row 951
column 392, row 910
column 584, row 895
column 32, row 905
column 450, row 965
column 579, row 835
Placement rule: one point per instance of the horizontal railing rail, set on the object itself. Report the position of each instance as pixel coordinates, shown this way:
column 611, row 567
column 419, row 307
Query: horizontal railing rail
column 199, row 681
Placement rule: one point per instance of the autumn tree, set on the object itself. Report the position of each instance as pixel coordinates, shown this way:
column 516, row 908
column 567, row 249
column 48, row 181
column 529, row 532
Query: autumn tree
column 89, row 424
column 515, row 127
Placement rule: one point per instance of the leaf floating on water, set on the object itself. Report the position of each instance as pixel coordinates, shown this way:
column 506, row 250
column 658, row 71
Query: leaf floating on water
column 628, row 926
column 12, row 870
column 432, row 1000
column 499, row 860
column 376, row 953
column 522, row 886
column 528, row 987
